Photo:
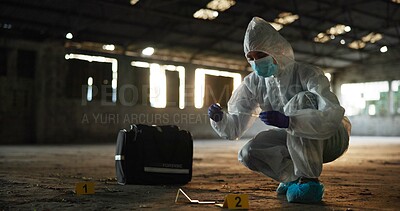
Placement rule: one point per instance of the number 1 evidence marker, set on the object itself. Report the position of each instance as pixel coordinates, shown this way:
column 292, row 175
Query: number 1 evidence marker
column 82, row 188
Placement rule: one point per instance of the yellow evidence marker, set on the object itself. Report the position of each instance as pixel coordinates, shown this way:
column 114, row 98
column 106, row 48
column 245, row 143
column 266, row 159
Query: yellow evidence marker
column 235, row 201
column 82, row 188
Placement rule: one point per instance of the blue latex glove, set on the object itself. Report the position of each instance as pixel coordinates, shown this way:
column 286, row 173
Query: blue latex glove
column 215, row 112
column 275, row 118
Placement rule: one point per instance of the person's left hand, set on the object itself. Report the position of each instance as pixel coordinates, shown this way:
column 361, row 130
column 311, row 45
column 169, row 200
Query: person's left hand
column 274, row 118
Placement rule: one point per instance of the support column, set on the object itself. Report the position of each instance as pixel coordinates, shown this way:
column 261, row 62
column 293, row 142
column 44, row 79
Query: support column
column 127, row 90
column 391, row 99
column 51, row 118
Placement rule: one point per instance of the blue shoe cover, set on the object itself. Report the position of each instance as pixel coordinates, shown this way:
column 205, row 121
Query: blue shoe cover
column 283, row 186
column 309, row 192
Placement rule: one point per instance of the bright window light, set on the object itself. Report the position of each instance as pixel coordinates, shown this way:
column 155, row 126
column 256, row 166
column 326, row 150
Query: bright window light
column 148, row 51
column 69, row 35
column 158, row 95
column 395, row 97
column 109, row 47
column 140, row 64
column 329, row 76
column 114, row 84
column 114, row 68
column 170, row 67
column 158, row 92
column 89, row 94
column 342, row 41
column 205, row 14
column 395, row 86
column 372, row 110
column 220, row 5
column 90, row 81
column 356, row 96
column 347, row 28
column 181, row 71
column 384, row 49
column 199, row 86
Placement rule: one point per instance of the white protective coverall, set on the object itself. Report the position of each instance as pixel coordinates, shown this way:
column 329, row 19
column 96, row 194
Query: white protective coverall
column 318, row 132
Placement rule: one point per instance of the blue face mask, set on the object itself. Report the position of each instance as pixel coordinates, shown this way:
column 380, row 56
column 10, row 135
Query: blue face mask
column 264, row 67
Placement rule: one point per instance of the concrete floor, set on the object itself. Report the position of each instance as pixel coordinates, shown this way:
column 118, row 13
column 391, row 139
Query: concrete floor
column 44, row 178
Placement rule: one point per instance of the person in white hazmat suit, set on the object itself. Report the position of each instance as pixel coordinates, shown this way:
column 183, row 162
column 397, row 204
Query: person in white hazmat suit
column 310, row 126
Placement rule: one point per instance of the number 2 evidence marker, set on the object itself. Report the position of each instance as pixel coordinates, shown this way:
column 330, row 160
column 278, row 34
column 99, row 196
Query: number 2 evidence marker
column 231, row 201
column 235, row 201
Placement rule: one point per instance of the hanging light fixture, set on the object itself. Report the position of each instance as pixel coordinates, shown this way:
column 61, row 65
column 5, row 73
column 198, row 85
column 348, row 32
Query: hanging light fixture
column 148, row 51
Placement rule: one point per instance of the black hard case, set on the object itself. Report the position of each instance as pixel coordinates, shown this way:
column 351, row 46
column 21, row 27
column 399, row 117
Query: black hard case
column 154, row 155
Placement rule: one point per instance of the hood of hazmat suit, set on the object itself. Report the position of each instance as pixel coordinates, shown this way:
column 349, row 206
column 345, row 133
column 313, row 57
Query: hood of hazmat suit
column 261, row 36
column 282, row 92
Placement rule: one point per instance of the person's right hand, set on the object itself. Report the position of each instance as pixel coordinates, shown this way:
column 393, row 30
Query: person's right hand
column 215, row 112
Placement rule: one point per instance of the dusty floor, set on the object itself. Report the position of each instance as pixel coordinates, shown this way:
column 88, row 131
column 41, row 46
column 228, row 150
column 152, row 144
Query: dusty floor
column 44, row 178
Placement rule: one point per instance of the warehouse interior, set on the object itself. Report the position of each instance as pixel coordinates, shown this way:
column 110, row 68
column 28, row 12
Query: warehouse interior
column 74, row 73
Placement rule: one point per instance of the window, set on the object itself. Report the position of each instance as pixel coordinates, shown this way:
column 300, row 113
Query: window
column 165, row 89
column 370, row 98
column 172, row 78
column 142, row 84
column 218, row 89
column 395, row 97
column 92, row 77
column 200, row 87
column 158, row 86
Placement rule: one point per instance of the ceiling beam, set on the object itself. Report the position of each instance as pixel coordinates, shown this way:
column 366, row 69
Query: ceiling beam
column 308, row 15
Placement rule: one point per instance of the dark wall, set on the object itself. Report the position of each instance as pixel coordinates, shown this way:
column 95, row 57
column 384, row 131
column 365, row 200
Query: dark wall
column 17, row 93
column 44, row 96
